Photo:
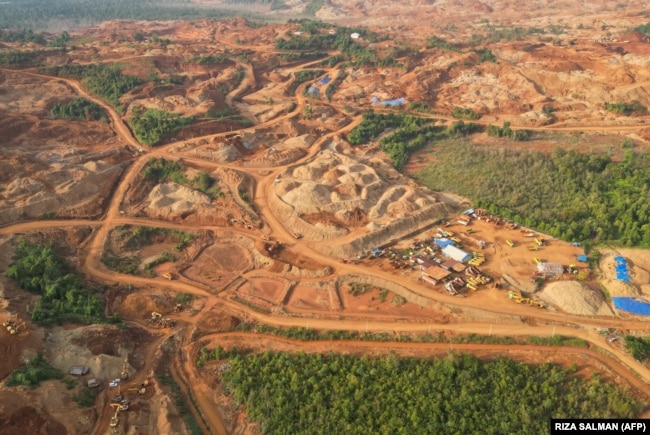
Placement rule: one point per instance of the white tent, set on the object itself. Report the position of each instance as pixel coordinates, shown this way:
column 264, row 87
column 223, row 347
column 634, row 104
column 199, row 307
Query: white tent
column 456, row 254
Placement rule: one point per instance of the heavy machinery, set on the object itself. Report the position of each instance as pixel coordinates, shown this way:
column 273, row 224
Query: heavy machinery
column 539, row 242
column 14, row 325
column 141, row 389
column 168, row 276
column 114, row 420
column 124, row 375
column 510, row 243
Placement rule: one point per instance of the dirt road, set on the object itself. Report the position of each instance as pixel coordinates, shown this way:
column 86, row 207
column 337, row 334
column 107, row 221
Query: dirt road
column 185, row 371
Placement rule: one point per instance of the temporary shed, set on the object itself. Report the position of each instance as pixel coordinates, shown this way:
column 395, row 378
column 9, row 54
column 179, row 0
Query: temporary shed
column 436, row 273
column 79, row 370
column 455, row 253
column 443, row 242
column 582, row 258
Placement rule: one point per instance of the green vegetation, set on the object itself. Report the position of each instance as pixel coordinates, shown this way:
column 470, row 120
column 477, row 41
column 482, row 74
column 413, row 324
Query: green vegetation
column 126, row 264
column 303, row 76
column 184, row 298
column 437, row 42
column 334, row 393
column 24, row 35
column 334, row 84
column 573, row 196
column 60, row 41
column 159, row 170
column 358, row 288
column 152, row 125
column 34, row 372
column 292, row 57
column 313, row 7
column 319, row 40
column 626, row 109
column 38, row 14
column 398, row 300
column 79, row 108
column 410, row 135
column 507, row 132
column 465, row 113
column 86, row 397
column 39, row 270
column 18, row 58
column 182, row 406
column 211, row 59
column 644, row 28
column 639, row 347
column 485, row 55
column 309, row 334
column 105, row 81
column 229, row 114
column 165, row 257
column 133, row 238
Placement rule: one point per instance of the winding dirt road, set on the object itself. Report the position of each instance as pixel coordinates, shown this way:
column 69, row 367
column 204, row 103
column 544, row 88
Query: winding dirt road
column 633, row 372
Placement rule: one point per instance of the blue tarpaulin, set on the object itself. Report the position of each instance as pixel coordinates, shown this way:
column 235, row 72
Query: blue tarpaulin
column 325, row 80
column 632, row 305
column 442, row 242
column 312, row 90
column 582, row 258
column 621, row 269
column 396, row 102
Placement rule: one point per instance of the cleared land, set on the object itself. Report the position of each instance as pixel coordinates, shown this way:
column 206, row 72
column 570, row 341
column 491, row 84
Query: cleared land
column 262, row 211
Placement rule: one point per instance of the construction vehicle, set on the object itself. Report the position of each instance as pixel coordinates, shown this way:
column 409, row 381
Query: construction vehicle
column 124, row 375
column 14, row 325
column 533, row 248
column 296, row 235
column 539, row 242
column 114, row 420
column 168, row 276
column 537, row 260
column 510, row 243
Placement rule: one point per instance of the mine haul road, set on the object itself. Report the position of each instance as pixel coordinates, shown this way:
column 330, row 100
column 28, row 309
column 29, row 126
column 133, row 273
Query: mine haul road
column 185, row 371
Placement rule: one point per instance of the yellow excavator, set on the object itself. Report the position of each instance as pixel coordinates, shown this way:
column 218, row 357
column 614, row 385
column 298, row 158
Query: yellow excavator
column 114, row 420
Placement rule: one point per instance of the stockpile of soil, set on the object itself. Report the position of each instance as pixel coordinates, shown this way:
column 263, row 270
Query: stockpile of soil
column 575, row 298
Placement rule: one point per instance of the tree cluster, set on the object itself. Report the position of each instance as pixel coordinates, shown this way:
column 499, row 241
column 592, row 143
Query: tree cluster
column 465, row 113
column 33, row 373
column 160, row 170
column 24, row 35
column 333, row 393
column 42, row 13
column 105, row 81
column 507, row 132
column 152, row 125
column 570, row 195
column 626, row 109
column 639, row 347
column 79, row 108
column 318, row 40
column 64, row 298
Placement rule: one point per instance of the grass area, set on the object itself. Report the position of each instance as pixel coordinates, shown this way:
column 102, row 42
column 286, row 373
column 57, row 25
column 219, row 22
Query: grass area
column 18, row 58
column 465, row 113
column 639, row 347
column 127, row 264
column 301, row 77
column 627, row 109
column 165, row 257
column 33, row 373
